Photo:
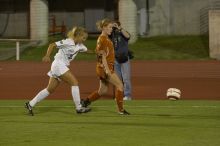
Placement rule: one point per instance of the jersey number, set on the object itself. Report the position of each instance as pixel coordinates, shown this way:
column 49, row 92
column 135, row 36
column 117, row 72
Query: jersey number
column 70, row 56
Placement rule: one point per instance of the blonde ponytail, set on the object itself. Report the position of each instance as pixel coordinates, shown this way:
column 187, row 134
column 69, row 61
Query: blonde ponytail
column 102, row 23
column 77, row 32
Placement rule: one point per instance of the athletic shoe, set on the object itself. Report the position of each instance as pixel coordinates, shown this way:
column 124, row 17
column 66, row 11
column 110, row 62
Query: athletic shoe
column 124, row 112
column 83, row 110
column 127, row 98
column 85, row 102
column 29, row 108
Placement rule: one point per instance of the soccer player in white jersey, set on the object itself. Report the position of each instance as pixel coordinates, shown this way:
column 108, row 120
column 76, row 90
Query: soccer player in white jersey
column 68, row 49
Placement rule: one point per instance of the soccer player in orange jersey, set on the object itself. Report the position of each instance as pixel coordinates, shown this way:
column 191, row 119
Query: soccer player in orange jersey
column 105, row 67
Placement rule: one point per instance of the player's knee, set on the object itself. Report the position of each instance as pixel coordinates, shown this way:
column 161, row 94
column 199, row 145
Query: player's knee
column 74, row 83
column 120, row 87
column 103, row 91
column 50, row 90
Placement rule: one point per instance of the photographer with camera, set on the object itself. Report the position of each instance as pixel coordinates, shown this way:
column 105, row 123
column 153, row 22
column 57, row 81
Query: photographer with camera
column 120, row 38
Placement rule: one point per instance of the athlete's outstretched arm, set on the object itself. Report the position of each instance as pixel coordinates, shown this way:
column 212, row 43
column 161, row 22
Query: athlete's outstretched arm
column 89, row 51
column 46, row 58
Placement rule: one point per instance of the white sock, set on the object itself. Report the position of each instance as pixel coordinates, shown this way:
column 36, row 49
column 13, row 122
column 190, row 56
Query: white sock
column 76, row 96
column 40, row 96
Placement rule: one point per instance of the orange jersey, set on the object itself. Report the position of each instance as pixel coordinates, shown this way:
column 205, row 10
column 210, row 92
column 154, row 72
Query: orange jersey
column 106, row 45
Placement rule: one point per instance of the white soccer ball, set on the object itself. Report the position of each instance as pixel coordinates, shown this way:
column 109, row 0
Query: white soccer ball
column 173, row 94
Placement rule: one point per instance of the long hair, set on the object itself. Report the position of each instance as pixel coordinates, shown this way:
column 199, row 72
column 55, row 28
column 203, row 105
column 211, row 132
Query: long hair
column 102, row 23
column 77, row 32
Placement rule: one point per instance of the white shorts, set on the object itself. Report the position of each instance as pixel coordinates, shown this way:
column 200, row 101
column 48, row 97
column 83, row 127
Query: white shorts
column 57, row 69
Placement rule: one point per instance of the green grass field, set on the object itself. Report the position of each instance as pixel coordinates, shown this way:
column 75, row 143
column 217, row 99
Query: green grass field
column 150, row 48
column 10, row 44
column 152, row 123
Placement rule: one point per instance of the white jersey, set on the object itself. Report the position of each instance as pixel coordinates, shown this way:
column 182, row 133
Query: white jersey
column 68, row 50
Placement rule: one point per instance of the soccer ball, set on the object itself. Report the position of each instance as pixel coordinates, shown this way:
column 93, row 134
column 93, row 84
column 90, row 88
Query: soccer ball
column 173, row 94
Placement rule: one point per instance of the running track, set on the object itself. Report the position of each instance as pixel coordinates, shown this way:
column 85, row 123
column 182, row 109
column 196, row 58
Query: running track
column 150, row 79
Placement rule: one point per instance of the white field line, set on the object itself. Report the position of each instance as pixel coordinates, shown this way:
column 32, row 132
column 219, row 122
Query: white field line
column 103, row 106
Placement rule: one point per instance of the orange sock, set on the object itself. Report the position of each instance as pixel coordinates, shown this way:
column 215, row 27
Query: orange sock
column 94, row 96
column 119, row 99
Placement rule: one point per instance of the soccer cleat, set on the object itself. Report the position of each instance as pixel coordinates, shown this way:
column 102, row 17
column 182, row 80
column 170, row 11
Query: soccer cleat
column 29, row 108
column 85, row 102
column 83, row 110
column 124, row 112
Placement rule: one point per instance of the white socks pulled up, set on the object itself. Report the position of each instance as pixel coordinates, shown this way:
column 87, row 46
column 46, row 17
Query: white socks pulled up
column 40, row 96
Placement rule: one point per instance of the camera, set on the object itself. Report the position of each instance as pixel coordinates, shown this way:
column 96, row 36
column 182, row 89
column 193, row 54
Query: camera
column 115, row 31
column 114, row 28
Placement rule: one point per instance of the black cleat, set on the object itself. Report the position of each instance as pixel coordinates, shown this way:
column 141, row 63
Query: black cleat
column 29, row 108
column 124, row 112
column 85, row 102
column 83, row 110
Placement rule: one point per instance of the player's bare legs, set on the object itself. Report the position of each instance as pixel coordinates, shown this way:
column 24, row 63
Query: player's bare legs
column 70, row 79
column 114, row 79
column 52, row 85
column 103, row 88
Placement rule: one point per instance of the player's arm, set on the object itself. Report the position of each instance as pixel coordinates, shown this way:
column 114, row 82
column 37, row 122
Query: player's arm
column 50, row 49
column 89, row 51
column 84, row 49
column 102, row 55
column 104, row 62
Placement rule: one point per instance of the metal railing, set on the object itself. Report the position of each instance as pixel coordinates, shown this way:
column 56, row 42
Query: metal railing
column 17, row 44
